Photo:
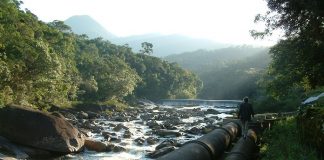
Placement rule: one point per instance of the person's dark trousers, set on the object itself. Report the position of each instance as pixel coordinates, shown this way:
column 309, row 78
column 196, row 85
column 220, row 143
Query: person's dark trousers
column 244, row 127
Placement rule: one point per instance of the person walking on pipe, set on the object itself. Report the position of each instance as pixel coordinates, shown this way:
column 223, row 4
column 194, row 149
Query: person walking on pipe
column 245, row 113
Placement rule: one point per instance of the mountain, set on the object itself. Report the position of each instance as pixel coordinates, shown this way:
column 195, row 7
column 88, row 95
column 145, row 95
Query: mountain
column 84, row 24
column 228, row 73
column 163, row 45
column 207, row 60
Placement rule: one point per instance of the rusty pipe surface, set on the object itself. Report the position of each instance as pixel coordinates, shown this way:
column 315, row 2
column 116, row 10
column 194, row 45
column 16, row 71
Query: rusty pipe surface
column 245, row 148
column 208, row 147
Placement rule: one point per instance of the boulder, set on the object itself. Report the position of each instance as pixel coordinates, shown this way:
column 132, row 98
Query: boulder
column 211, row 111
column 39, row 129
column 140, row 141
column 153, row 124
column 57, row 114
column 108, row 135
column 115, row 139
column 37, row 153
column 167, row 133
column 168, row 125
column 119, row 127
column 127, row 134
column 146, row 117
column 95, row 145
column 7, row 146
column 83, row 115
column 152, row 140
column 160, row 152
column 194, row 130
column 92, row 115
column 121, row 119
column 23, row 152
column 85, row 132
column 118, row 149
column 69, row 116
column 90, row 125
column 168, row 143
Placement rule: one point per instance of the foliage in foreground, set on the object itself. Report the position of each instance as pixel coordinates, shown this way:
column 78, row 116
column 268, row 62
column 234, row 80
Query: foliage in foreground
column 283, row 143
column 311, row 127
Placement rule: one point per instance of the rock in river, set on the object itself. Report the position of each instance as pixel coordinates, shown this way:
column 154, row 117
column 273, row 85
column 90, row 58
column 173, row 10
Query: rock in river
column 160, row 152
column 167, row 133
column 39, row 129
column 95, row 145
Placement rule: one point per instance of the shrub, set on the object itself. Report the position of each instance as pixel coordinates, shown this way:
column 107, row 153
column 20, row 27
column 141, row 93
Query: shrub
column 282, row 143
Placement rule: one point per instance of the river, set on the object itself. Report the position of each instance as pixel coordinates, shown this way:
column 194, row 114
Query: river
column 139, row 129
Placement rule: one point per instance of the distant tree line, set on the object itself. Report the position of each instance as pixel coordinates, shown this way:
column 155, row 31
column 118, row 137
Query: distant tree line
column 228, row 73
column 45, row 63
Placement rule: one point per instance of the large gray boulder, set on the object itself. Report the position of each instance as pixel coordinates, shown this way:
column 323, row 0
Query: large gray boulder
column 39, row 129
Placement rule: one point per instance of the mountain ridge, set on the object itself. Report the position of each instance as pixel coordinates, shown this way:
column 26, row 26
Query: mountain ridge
column 163, row 45
column 84, row 24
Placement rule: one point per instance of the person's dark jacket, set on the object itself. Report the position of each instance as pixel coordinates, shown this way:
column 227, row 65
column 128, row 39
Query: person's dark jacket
column 245, row 111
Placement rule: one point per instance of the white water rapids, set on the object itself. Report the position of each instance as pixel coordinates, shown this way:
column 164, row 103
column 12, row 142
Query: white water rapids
column 139, row 129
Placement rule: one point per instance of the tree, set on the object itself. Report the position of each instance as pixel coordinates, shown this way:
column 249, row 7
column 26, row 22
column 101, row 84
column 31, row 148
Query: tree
column 104, row 75
column 60, row 26
column 42, row 64
column 147, row 48
column 295, row 17
column 297, row 60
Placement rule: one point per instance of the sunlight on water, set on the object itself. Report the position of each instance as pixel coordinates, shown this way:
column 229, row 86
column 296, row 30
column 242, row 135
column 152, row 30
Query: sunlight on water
column 139, row 129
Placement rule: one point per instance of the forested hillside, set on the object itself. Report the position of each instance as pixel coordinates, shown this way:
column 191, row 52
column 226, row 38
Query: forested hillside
column 229, row 73
column 45, row 63
column 208, row 60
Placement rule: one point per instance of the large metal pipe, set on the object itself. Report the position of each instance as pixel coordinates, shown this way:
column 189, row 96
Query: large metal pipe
column 208, row 147
column 245, row 148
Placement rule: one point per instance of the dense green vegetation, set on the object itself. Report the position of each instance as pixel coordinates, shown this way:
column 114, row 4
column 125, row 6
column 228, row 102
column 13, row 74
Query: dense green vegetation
column 297, row 60
column 282, row 142
column 43, row 64
column 295, row 72
column 229, row 73
column 310, row 126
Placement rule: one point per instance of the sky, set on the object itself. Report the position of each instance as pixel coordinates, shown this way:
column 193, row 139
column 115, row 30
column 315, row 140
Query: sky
column 225, row 21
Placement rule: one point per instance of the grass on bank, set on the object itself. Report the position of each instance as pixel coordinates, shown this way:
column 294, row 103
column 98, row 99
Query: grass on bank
column 283, row 143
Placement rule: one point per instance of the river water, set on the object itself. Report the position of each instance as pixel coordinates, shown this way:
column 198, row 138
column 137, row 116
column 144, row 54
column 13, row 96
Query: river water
column 139, row 129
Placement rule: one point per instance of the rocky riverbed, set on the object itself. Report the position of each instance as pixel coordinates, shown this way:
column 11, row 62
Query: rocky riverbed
column 144, row 132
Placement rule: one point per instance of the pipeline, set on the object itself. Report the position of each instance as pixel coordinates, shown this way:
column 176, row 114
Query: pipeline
column 244, row 148
column 208, row 147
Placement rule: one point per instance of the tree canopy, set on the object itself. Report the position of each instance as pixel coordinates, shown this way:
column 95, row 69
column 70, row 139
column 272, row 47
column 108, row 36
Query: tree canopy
column 45, row 63
column 297, row 60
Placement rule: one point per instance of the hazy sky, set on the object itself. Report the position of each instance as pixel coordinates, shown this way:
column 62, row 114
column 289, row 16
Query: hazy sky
column 227, row 21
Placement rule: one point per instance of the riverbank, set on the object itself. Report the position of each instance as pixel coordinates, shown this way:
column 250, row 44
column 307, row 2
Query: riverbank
column 143, row 132
column 282, row 142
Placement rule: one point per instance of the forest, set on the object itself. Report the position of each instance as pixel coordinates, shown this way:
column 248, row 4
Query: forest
column 228, row 73
column 63, row 92
column 45, row 64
